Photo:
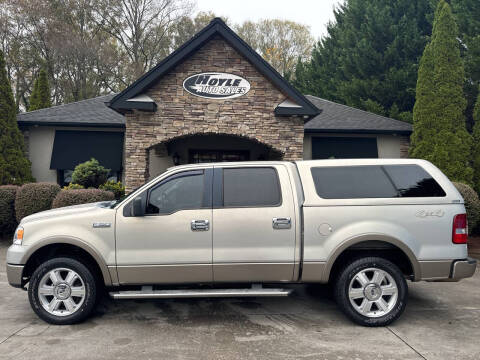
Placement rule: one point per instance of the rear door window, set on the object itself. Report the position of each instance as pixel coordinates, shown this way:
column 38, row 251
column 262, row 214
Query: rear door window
column 251, row 187
column 389, row 181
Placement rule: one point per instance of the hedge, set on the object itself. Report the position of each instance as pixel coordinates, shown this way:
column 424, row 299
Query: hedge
column 8, row 222
column 81, row 196
column 34, row 197
column 472, row 205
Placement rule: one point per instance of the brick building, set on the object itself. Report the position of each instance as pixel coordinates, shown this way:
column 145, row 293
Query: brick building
column 213, row 99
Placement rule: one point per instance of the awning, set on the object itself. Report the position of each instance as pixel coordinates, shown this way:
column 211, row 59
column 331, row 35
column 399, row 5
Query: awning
column 71, row 148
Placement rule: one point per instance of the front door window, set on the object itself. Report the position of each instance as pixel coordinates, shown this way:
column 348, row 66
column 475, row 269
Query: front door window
column 206, row 156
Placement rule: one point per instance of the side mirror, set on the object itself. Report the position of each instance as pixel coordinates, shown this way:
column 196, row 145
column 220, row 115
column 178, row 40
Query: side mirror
column 137, row 207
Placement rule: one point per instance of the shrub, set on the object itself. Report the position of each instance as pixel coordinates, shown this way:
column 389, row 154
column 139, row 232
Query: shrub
column 81, row 196
column 8, row 222
column 116, row 187
column 34, row 197
column 472, row 204
column 73, row 186
column 90, row 174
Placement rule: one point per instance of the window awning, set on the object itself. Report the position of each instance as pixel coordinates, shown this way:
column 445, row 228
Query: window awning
column 71, row 148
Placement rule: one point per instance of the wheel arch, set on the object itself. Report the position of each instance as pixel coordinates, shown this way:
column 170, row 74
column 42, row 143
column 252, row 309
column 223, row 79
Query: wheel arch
column 375, row 239
column 66, row 246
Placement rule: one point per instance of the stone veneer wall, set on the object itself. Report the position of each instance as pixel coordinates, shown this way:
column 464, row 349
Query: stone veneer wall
column 404, row 147
column 181, row 114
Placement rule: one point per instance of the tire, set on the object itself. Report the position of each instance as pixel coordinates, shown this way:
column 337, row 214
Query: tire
column 69, row 299
column 371, row 291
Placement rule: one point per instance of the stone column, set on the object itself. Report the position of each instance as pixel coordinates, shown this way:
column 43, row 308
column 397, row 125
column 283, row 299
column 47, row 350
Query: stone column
column 136, row 154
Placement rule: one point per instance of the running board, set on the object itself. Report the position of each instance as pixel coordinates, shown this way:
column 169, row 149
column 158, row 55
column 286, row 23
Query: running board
column 147, row 292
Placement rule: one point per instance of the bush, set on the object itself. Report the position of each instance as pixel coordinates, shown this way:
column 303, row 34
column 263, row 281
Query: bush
column 34, row 197
column 81, row 196
column 116, row 187
column 73, row 186
column 90, row 174
column 472, row 204
column 8, row 222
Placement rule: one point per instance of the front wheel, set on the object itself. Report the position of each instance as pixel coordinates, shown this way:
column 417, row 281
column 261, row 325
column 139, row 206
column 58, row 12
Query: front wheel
column 371, row 291
column 62, row 291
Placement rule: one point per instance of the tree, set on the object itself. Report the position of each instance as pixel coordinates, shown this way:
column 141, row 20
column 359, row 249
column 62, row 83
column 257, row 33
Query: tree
column 476, row 145
column 369, row 55
column 280, row 42
column 40, row 97
column 440, row 135
column 14, row 166
column 187, row 26
column 141, row 29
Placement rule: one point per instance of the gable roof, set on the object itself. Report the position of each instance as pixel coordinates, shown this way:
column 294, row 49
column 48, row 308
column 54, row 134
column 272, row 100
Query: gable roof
column 336, row 117
column 90, row 112
column 216, row 27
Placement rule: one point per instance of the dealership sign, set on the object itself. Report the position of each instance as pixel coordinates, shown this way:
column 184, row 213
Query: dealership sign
column 216, row 85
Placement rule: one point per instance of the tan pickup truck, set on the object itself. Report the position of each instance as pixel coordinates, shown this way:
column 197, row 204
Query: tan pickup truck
column 249, row 229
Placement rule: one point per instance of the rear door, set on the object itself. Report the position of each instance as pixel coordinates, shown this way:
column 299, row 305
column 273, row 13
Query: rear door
column 254, row 217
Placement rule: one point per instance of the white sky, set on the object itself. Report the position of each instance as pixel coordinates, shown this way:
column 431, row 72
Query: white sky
column 313, row 13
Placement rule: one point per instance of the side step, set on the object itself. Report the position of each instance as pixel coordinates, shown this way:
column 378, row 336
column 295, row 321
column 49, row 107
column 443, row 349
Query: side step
column 147, row 292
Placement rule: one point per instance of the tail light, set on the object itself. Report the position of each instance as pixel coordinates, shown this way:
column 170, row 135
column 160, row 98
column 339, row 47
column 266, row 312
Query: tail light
column 460, row 229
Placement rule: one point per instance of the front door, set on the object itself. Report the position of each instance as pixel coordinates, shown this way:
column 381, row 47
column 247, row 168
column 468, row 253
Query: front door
column 254, row 224
column 206, row 156
column 172, row 243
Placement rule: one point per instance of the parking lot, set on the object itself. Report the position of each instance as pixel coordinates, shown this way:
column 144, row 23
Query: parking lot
column 442, row 321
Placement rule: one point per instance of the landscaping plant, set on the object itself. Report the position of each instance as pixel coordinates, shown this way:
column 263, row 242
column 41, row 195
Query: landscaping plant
column 90, row 174
column 439, row 129
column 116, row 187
column 14, row 166
column 81, row 196
column 34, row 197
column 8, row 222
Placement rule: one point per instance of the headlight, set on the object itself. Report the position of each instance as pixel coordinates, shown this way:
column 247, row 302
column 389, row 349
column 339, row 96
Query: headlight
column 18, row 237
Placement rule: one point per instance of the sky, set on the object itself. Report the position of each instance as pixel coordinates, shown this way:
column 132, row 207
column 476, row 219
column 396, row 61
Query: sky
column 313, row 13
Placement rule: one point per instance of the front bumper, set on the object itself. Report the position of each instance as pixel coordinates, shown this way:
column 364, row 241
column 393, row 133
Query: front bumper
column 462, row 269
column 14, row 275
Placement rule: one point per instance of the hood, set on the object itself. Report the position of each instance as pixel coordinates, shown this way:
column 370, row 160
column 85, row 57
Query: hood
column 68, row 210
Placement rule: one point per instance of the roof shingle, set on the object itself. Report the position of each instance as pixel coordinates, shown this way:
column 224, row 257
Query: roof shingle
column 90, row 112
column 341, row 118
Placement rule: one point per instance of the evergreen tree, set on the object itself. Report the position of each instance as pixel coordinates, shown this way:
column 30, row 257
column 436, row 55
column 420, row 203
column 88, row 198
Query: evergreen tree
column 476, row 145
column 40, row 97
column 369, row 58
column 440, row 135
column 14, row 166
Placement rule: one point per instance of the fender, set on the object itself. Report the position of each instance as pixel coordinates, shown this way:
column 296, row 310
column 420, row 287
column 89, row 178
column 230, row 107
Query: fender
column 70, row 240
column 366, row 237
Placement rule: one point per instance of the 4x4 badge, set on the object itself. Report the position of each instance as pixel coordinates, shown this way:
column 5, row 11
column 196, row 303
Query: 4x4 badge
column 426, row 213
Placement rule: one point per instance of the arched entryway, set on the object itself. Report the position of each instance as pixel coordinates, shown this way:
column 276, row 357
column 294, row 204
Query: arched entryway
column 201, row 148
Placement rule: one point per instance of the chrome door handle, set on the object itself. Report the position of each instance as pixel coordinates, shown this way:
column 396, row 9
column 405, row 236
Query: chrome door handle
column 282, row 223
column 200, row 225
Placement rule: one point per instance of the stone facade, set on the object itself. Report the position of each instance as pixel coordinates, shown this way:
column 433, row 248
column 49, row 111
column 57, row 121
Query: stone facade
column 181, row 114
column 404, row 147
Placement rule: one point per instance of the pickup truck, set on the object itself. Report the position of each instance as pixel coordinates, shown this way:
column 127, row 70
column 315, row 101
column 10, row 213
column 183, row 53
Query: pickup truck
column 249, row 229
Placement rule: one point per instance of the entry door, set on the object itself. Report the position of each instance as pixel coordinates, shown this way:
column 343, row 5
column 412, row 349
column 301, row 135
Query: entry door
column 254, row 217
column 172, row 243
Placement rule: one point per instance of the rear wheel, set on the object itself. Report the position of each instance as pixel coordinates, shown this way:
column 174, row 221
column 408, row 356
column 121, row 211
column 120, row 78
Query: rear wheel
column 62, row 291
column 371, row 291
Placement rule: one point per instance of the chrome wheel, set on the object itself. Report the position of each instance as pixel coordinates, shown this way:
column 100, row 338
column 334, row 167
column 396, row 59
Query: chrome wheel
column 61, row 292
column 373, row 292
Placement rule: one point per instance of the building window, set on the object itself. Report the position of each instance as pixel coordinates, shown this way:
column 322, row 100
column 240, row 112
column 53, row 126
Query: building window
column 344, row 147
column 206, row 156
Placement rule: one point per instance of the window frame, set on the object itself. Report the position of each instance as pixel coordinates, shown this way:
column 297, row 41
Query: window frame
column 387, row 176
column 218, row 188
